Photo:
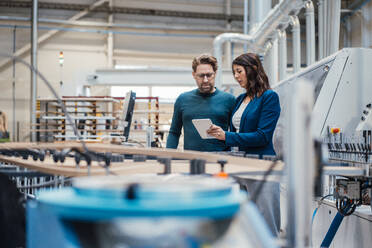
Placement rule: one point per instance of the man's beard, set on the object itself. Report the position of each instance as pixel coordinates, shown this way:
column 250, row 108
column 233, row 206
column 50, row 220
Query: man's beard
column 206, row 88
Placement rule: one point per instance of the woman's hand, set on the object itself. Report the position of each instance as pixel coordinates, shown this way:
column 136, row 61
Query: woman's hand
column 216, row 132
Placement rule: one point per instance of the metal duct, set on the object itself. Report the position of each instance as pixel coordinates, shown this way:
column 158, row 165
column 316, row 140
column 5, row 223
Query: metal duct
column 282, row 35
column 320, row 29
column 121, row 10
column 333, row 26
column 310, row 33
column 277, row 18
column 245, row 23
column 271, row 62
column 329, row 27
column 296, row 43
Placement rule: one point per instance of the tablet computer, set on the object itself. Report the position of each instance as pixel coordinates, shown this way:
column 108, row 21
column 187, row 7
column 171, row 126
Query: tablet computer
column 202, row 125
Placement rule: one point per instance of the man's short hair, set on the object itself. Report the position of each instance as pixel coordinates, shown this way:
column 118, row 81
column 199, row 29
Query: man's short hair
column 204, row 59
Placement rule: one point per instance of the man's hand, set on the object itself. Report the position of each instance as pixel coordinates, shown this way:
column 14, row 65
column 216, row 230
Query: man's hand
column 216, row 132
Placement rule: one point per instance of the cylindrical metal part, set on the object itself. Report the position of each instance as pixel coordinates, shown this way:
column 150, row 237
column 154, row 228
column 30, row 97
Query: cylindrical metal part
column 310, row 33
column 282, row 53
column 278, row 16
column 245, row 23
column 33, row 92
column 296, row 43
column 320, row 29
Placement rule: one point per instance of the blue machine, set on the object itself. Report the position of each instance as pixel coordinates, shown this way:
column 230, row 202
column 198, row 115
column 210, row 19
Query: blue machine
column 142, row 211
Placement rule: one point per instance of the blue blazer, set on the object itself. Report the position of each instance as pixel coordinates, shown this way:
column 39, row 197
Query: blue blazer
column 257, row 124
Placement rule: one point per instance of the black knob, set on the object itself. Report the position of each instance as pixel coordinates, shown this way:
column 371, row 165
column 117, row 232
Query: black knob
column 77, row 158
column 41, row 155
column 35, row 156
column 167, row 164
column 107, row 158
column 222, row 163
column 55, row 157
column 131, row 193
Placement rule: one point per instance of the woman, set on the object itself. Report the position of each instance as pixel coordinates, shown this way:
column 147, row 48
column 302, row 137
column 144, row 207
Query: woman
column 256, row 112
column 252, row 126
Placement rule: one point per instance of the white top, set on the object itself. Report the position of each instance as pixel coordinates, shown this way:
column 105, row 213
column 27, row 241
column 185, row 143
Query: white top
column 238, row 115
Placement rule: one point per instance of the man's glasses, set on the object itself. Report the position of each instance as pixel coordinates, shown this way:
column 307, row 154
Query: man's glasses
column 203, row 75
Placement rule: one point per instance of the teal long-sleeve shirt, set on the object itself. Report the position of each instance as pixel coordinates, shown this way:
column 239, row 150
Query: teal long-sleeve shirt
column 216, row 106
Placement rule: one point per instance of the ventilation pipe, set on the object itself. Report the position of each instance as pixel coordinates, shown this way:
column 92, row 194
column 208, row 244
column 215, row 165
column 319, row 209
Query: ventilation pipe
column 320, row 29
column 277, row 17
column 310, row 33
column 333, row 26
column 282, row 43
column 259, row 10
column 245, row 23
column 271, row 61
column 296, row 43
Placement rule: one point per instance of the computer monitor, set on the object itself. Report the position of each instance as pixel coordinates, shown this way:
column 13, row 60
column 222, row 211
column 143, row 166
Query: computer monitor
column 128, row 108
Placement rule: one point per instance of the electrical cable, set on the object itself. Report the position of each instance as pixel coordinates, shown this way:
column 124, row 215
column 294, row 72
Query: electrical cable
column 59, row 100
column 255, row 194
column 319, row 203
column 313, row 216
column 345, row 206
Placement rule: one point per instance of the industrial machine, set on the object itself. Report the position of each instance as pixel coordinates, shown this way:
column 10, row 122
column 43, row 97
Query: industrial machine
column 341, row 120
column 174, row 210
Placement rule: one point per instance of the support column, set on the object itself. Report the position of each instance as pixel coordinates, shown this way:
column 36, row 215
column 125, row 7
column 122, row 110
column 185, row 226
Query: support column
column 14, row 89
column 110, row 40
column 34, row 31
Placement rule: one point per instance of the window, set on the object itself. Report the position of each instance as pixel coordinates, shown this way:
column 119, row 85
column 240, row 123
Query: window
column 169, row 93
column 120, row 91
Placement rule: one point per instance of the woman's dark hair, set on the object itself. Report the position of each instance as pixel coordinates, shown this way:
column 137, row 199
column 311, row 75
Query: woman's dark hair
column 257, row 81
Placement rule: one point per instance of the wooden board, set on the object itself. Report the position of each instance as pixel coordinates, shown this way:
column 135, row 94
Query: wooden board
column 85, row 130
column 234, row 164
column 80, row 99
column 68, row 168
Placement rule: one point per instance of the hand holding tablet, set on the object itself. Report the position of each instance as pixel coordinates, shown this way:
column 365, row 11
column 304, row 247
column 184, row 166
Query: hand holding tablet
column 202, row 125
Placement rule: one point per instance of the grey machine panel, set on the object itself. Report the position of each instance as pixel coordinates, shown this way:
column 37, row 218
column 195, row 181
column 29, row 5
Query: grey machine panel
column 343, row 86
column 342, row 89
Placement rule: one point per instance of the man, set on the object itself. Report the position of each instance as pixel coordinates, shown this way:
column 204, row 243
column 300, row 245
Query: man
column 204, row 102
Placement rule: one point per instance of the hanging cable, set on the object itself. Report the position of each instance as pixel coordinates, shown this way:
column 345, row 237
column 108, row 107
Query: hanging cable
column 89, row 153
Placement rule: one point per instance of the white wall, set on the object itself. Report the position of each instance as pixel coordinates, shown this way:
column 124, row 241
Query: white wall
column 86, row 52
